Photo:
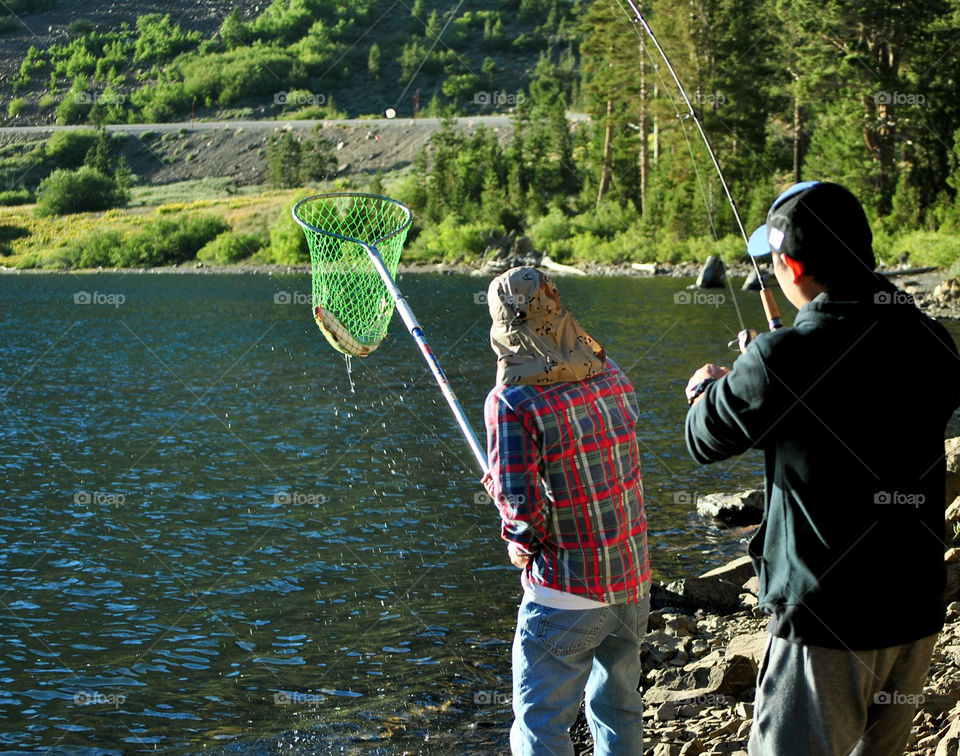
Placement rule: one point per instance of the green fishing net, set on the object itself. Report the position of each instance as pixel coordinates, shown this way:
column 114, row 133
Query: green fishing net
column 351, row 303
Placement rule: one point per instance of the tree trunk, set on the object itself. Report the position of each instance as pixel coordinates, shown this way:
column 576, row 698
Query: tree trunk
column 656, row 130
column 607, row 155
column 797, row 140
column 644, row 150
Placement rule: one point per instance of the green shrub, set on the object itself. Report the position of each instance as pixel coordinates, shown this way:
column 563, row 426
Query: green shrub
column 161, row 102
column 551, row 233
column 229, row 247
column 235, row 75
column 16, row 197
column 925, row 248
column 163, row 241
column 450, row 240
column 84, row 189
column 292, row 160
column 16, row 107
column 288, row 244
column 161, row 40
column 81, row 26
column 74, row 107
column 95, row 251
column 169, row 241
column 67, row 149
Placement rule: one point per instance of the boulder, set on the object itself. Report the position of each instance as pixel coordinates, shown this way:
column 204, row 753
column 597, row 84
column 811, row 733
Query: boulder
column 715, row 591
column 713, row 274
column 711, row 594
column 661, row 597
column 752, row 282
column 738, row 572
column 953, row 519
column 952, row 592
column 947, row 291
column 749, row 648
column 952, row 451
column 658, row 648
column 953, row 611
column 733, row 510
column 711, row 681
column 692, row 748
column 950, row 743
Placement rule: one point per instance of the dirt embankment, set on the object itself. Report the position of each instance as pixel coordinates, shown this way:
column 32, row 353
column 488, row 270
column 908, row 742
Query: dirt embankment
column 165, row 153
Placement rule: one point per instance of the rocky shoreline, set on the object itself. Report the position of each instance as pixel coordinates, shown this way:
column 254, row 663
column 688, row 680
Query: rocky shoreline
column 705, row 641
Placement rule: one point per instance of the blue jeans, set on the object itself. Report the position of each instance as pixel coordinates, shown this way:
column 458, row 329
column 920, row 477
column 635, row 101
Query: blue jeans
column 561, row 656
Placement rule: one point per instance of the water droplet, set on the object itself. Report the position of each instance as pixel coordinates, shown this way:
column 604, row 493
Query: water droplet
column 347, row 359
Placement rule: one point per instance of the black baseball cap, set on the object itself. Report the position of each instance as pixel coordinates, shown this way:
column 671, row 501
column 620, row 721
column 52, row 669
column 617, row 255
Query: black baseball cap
column 816, row 221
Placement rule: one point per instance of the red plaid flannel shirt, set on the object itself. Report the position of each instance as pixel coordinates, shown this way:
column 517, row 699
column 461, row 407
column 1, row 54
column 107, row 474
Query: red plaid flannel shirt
column 565, row 476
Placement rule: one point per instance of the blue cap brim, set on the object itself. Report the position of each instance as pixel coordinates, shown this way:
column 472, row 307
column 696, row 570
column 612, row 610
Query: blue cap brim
column 759, row 243
column 758, row 246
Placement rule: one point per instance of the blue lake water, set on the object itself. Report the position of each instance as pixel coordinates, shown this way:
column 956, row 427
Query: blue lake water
column 208, row 542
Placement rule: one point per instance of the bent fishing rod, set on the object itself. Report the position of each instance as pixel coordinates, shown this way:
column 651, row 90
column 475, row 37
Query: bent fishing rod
column 770, row 308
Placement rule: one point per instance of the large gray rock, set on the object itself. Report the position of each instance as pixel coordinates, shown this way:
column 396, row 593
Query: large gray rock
column 952, row 559
column 712, row 680
column 752, row 282
column 711, row 594
column 713, row 274
column 715, row 591
column 748, row 647
column 953, row 520
column 733, row 510
column 947, row 291
column 950, row 743
column 952, row 451
column 737, row 572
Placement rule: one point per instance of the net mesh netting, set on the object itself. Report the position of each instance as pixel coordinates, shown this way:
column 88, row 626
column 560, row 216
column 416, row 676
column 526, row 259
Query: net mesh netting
column 351, row 304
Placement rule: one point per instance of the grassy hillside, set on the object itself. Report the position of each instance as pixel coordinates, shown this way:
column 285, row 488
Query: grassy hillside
column 306, row 58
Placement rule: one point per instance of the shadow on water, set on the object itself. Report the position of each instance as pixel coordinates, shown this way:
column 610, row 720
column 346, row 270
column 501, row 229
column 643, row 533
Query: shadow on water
column 207, row 542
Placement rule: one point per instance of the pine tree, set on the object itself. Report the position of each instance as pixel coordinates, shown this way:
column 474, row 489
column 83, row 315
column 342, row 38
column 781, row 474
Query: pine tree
column 100, row 156
column 863, row 52
column 373, row 61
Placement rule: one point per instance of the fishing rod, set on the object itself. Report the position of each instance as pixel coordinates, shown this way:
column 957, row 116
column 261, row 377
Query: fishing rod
column 770, row 308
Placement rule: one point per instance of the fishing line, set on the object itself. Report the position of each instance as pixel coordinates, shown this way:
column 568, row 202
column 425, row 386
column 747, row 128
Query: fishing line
column 767, row 299
column 427, row 56
column 696, row 169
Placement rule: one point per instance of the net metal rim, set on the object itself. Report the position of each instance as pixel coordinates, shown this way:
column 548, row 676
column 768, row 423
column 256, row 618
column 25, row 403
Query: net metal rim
column 407, row 215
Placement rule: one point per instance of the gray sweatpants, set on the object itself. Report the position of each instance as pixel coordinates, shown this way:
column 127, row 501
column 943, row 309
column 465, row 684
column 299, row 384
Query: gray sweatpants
column 815, row 701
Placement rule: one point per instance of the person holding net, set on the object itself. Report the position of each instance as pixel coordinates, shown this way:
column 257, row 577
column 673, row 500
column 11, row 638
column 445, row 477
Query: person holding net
column 565, row 476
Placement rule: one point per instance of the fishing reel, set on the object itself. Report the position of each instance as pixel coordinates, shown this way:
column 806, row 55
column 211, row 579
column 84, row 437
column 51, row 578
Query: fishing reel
column 743, row 340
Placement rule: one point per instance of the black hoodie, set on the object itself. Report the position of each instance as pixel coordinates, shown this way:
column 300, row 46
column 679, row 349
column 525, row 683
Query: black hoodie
column 850, row 406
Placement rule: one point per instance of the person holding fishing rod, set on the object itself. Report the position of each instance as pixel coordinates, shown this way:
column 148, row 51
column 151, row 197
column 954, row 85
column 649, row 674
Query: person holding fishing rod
column 565, row 476
column 850, row 406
